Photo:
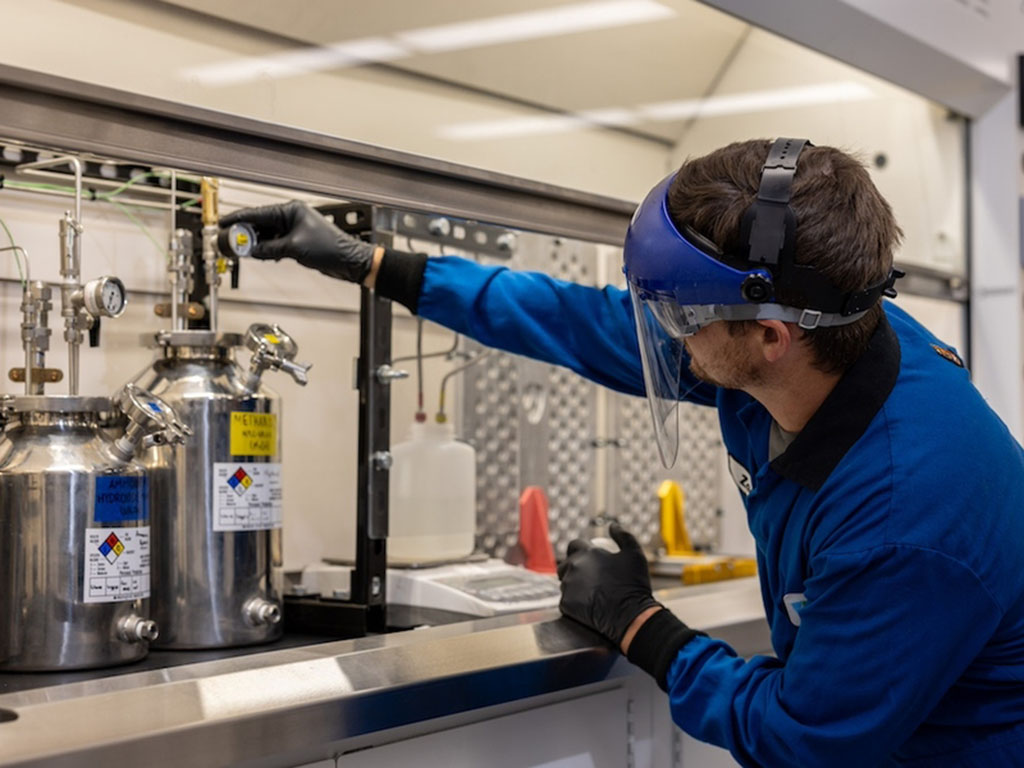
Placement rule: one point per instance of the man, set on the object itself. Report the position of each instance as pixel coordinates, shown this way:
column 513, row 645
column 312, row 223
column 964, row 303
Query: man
column 885, row 497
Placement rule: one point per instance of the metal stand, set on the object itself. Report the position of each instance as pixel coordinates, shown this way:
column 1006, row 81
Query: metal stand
column 365, row 609
column 368, row 578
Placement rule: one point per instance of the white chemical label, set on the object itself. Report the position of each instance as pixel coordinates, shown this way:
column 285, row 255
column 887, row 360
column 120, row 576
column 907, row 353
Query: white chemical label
column 246, row 496
column 116, row 564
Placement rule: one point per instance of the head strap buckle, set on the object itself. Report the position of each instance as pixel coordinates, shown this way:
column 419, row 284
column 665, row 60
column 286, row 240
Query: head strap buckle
column 809, row 319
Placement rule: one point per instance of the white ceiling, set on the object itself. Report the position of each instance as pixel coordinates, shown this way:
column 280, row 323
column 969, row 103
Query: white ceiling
column 665, row 60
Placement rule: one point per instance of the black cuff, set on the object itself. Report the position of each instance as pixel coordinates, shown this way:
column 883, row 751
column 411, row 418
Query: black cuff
column 400, row 277
column 657, row 643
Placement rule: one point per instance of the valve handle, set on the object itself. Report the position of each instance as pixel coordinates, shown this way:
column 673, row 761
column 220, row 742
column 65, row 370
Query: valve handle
column 273, row 348
column 298, row 371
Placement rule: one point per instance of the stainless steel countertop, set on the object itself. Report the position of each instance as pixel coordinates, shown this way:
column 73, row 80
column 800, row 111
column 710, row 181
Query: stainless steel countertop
column 250, row 707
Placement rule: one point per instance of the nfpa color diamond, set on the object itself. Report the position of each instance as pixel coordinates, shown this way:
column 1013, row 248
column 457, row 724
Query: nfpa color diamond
column 240, row 481
column 111, row 548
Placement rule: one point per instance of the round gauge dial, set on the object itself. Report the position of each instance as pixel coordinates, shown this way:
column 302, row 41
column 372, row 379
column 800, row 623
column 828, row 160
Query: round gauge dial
column 238, row 240
column 105, row 297
column 112, row 298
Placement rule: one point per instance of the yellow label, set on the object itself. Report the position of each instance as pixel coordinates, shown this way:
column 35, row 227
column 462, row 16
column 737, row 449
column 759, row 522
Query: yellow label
column 271, row 338
column 241, row 239
column 253, row 434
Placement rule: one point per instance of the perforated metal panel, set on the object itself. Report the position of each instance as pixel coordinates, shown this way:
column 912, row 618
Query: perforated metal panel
column 534, row 423
column 491, row 424
column 639, row 471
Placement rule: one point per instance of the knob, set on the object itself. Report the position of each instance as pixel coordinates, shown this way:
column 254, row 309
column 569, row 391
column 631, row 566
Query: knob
column 135, row 629
column 386, row 374
column 439, row 227
column 259, row 611
column 273, row 348
column 382, row 460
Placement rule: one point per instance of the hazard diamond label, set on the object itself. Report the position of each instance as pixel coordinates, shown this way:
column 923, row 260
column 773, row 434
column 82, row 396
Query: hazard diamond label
column 116, row 566
column 240, row 481
column 247, row 496
column 111, row 548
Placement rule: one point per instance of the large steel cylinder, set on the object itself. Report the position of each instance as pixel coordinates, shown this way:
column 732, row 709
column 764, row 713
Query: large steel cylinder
column 218, row 528
column 74, row 539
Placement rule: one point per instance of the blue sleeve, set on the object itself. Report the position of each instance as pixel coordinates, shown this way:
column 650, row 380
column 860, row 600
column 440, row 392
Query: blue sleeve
column 589, row 330
column 884, row 633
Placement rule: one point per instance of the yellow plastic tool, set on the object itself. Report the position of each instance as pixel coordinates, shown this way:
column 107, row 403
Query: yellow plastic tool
column 673, row 519
column 695, row 568
column 719, row 569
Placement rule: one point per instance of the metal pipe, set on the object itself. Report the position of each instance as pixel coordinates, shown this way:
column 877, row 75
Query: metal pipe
column 175, row 271
column 28, row 316
column 13, row 185
column 70, row 264
column 208, row 189
column 111, row 183
column 75, row 164
column 70, row 272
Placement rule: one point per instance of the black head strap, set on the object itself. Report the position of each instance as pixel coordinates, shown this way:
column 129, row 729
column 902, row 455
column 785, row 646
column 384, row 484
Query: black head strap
column 768, row 237
column 768, row 229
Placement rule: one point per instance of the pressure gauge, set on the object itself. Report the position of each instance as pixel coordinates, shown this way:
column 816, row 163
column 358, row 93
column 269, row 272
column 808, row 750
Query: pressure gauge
column 105, row 297
column 237, row 240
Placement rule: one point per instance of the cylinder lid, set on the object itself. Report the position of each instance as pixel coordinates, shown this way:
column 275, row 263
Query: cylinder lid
column 56, row 404
column 208, row 339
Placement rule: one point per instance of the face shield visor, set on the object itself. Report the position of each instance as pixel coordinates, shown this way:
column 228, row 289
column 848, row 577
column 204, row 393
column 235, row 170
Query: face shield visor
column 680, row 284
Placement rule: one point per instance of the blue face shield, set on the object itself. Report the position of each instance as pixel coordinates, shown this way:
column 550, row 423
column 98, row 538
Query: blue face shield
column 680, row 283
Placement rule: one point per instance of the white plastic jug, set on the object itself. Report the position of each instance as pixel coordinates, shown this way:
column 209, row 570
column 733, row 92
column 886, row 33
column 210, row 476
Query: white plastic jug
column 432, row 496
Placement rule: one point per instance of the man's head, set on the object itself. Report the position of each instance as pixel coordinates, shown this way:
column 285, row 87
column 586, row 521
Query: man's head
column 844, row 228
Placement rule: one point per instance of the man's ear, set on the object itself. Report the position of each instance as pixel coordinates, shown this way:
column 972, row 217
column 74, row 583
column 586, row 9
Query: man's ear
column 774, row 339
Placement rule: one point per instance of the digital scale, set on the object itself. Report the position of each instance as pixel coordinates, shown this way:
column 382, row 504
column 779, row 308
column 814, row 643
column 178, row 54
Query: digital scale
column 476, row 586
column 486, row 588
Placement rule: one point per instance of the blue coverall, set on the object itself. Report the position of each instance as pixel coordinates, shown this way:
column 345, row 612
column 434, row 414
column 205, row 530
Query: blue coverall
column 890, row 540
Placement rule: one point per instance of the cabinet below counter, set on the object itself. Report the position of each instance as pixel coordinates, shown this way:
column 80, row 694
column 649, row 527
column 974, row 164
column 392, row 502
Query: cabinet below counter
column 308, row 704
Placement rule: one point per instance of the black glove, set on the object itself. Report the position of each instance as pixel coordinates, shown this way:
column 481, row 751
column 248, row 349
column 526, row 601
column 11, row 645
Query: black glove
column 298, row 231
column 606, row 590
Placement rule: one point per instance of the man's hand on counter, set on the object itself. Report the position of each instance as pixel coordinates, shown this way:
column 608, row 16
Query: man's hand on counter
column 610, row 592
column 606, row 590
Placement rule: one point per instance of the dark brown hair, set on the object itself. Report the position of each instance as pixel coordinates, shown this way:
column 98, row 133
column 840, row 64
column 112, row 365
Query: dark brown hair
column 845, row 228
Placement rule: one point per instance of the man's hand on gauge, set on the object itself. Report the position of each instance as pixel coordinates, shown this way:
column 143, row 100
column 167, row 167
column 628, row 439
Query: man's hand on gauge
column 298, row 231
column 610, row 592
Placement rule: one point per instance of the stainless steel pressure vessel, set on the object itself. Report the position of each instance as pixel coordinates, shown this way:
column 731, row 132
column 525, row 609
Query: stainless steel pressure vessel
column 219, row 526
column 75, row 531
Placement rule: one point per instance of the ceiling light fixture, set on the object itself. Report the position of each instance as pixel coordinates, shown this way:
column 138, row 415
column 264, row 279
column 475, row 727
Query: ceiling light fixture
column 516, row 27
column 684, row 109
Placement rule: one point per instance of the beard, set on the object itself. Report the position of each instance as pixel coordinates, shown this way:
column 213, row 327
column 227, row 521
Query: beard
column 732, row 370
